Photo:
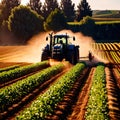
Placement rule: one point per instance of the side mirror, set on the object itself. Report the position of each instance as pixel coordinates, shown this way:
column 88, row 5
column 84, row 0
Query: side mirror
column 46, row 38
column 73, row 38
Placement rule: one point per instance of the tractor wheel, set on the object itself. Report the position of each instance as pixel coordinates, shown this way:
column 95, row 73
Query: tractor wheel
column 44, row 56
column 76, row 55
column 71, row 57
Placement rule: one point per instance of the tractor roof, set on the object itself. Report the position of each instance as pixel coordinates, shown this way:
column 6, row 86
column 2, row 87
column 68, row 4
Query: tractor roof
column 62, row 35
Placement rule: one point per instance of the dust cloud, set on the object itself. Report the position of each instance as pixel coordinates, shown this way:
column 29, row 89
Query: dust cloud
column 84, row 42
column 38, row 42
column 31, row 52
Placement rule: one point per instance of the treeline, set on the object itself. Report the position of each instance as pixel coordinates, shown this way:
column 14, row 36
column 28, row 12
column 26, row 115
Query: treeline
column 26, row 21
column 100, row 32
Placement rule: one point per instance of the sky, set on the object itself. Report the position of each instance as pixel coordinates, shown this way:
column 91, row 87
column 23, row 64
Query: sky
column 96, row 4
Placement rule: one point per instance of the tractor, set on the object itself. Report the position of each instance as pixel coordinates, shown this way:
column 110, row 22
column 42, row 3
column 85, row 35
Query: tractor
column 60, row 48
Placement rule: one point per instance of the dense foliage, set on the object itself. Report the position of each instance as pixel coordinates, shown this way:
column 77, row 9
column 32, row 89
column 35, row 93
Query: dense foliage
column 88, row 26
column 83, row 10
column 6, row 7
column 36, row 5
column 24, row 22
column 100, row 32
column 108, row 32
column 48, row 7
column 68, row 9
column 56, row 21
column 45, row 103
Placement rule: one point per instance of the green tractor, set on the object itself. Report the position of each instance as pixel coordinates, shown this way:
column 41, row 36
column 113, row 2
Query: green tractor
column 60, row 48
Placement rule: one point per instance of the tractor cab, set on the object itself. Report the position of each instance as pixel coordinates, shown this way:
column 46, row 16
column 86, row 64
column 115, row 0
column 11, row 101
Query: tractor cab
column 60, row 39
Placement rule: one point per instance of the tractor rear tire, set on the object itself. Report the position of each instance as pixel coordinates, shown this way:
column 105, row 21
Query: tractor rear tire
column 44, row 56
column 71, row 57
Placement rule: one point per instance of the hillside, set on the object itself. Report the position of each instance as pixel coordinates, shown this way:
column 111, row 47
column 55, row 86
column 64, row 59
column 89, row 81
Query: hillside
column 106, row 13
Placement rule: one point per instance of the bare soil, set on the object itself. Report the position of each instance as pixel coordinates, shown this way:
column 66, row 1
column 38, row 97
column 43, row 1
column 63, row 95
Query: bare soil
column 72, row 107
column 113, row 93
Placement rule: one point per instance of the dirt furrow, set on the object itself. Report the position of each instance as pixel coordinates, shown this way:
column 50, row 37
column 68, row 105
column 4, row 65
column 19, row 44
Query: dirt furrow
column 79, row 109
column 116, row 73
column 113, row 93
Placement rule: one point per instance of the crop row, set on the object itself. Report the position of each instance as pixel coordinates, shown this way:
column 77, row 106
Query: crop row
column 113, row 91
column 106, row 46
column 45, row 103
column 97, row 108
column 18, row 90
column 107, row 51
column 8, row 68
column 21, row 71
column 115, row 57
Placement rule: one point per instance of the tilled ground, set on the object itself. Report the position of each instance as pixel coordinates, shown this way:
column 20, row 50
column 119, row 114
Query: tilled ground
column 113, row 92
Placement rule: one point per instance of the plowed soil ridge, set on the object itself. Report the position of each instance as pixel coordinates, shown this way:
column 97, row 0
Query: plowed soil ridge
column 67, row 107
column 79, row 109
column 113, row 92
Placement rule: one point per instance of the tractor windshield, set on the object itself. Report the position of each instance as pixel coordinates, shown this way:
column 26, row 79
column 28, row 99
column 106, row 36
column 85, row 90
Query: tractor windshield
column 65, row 39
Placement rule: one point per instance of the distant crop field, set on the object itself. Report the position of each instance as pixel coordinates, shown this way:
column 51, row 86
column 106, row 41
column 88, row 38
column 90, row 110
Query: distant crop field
column 107, row 20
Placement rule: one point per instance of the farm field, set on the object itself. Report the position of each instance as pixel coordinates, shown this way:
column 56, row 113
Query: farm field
column 53, row 90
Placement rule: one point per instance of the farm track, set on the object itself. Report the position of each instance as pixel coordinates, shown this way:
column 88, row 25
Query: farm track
column 18, row 79
column 67, row 109
column 13, row 111
column 113, row 93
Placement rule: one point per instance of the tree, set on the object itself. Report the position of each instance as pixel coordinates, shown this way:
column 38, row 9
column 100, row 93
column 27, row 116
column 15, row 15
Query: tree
column 56, row 21
column 88, row 26
column 24, row 22
column 36, row 5
column 7, row 6
column 48, row 7
column 68, row 8
column 83, row 9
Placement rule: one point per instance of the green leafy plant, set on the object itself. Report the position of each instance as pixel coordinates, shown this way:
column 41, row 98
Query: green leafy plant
column 18, row 90
column 18, row 72
column 45, row 103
